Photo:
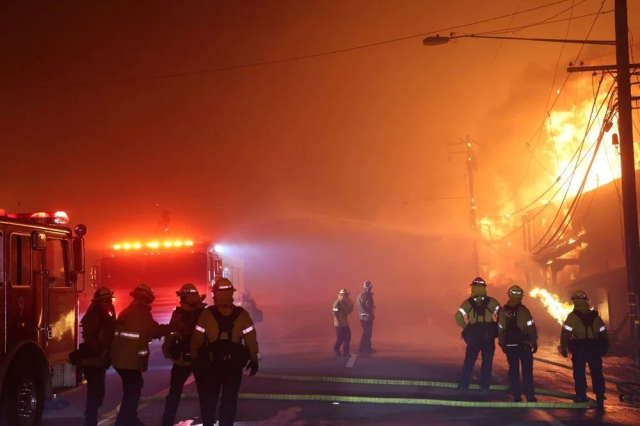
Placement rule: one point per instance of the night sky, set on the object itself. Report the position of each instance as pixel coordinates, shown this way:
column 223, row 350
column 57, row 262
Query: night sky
column 329, row 148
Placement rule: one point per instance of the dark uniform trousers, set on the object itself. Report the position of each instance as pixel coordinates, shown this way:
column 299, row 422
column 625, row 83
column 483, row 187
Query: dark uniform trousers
column 132, row 383
column 367, row 333
column 179, row 375
column 343, row 336
column 217, row 383
column 487, row 347
column 517, row 356
column 580, row 358
column 95, row 393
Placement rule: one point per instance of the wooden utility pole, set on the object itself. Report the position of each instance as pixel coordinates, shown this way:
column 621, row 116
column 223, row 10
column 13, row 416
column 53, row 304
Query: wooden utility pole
column 629, row 201
column 471, row 169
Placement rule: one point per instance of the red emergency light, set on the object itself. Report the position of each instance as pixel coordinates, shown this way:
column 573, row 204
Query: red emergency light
column 128, row 246
column 53, row 218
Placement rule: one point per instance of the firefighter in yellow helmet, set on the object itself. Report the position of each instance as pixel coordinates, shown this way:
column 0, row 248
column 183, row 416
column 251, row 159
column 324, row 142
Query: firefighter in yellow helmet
column 584, row 334
column 518, row 338
column 98, row 326
column 135, row 328
column 341, row 309
column 177, row 347
column 479, row 333
column 231, row 345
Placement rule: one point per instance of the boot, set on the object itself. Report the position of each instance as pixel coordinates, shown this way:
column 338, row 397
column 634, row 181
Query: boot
column 517, row 398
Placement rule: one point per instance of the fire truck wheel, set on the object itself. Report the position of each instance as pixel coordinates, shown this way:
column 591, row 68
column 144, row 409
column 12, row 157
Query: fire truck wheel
column 23, row 401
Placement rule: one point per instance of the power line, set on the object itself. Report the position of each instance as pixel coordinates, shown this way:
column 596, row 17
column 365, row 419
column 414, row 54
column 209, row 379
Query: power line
column 279, row 61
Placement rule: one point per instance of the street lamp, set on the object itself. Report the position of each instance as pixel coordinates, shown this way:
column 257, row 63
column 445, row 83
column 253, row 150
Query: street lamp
column 439, row 40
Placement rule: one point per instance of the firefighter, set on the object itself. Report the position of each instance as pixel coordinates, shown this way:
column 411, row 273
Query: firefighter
column 135, row 328
column 250, row 305
column 177, row 347
column 98, row 326
column 366, row 308
column 585, row 336
column 341, row 309
column 218, row 365
column 479, row 333
column 518, row 338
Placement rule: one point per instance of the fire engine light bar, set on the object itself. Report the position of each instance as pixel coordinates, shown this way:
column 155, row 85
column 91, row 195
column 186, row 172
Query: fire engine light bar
column 153, row 245
column 55, row 218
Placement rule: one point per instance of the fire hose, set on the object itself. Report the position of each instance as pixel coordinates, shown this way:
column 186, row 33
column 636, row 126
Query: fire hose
column 629, row 391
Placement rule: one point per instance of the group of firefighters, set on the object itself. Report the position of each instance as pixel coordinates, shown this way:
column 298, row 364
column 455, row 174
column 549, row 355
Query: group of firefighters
column 584, row 334
column 214, row 343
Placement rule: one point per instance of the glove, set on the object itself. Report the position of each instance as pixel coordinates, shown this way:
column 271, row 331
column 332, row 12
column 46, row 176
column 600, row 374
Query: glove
column 253, row 366
column 534, row 348
column 563, row 352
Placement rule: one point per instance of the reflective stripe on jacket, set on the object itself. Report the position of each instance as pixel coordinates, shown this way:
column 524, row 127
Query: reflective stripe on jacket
column 341, row 309
column 207, row 331
column 135, row 328
column 525, row 322
column 469, row 311
column 366, row 306
column 574, row 329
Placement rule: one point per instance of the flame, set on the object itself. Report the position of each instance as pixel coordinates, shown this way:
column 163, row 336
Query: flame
column 557, row 309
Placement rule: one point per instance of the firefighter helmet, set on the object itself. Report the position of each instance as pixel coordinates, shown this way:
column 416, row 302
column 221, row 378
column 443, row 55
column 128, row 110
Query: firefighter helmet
column 223, row 284
column 579, row 295
column 102, row 293
column 143, row 291
column 189, row 294
column 515, row 290
column 478, row 281
column 367, row 284
column 343, row 292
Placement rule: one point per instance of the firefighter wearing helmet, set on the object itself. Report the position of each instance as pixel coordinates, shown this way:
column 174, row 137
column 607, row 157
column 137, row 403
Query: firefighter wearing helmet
column 366, row 308
column 98, row 327
column 479, row 332
column 518, row 338
column 341, row 309
column 231, row 345
column 177, row 347
column 584, row 334
column 135, row 328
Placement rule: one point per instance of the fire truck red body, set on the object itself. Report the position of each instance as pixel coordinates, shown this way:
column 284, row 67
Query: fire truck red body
column 39, row 265
column 165, row 265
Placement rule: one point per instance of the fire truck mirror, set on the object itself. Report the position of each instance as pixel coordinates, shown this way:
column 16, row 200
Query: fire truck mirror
column 78, row 255
column 38, row 240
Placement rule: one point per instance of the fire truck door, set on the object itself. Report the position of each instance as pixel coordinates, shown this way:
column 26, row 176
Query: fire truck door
column 24, row 312
column 60, row 295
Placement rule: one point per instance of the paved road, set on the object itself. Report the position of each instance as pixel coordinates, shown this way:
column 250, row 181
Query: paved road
column 291, row 351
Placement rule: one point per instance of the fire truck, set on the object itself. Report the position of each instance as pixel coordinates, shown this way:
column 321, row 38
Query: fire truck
column 39, row 268
column 165, row 265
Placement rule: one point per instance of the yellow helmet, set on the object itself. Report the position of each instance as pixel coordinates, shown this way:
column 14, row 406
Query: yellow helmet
column 188, row 293
column 343, row 292
column 479, row 281
column 223, row 284
column 143, row 291
column 515, row 290
column 579, row 295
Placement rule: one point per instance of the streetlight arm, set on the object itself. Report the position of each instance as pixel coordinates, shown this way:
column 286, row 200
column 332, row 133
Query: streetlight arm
column 437, row 40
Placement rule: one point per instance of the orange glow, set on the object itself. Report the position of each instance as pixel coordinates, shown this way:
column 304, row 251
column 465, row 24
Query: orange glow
column 126, row 246
column 117, row 247
column 557, row 309
column 137, row 246
column 188, row 243
column 168, row 244
column 177, row 244
column 153, row 244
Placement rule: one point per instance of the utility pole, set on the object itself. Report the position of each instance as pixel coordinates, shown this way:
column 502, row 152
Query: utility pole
column 471, row 169
column 629, row 202
column 627, row 161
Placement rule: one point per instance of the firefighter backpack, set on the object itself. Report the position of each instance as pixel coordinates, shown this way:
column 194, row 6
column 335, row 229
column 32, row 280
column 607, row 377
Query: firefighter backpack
column 224, row 352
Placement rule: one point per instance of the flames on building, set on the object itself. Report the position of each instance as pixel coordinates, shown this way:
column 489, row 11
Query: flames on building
column 550, row 235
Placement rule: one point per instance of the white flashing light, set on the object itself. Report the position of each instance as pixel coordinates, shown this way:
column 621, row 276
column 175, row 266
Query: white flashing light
column 177, row 243
column 218, row 248
column 126, row 246
column 117, row 246
column 137, row 246
column 168, row 244
column 188, row 243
